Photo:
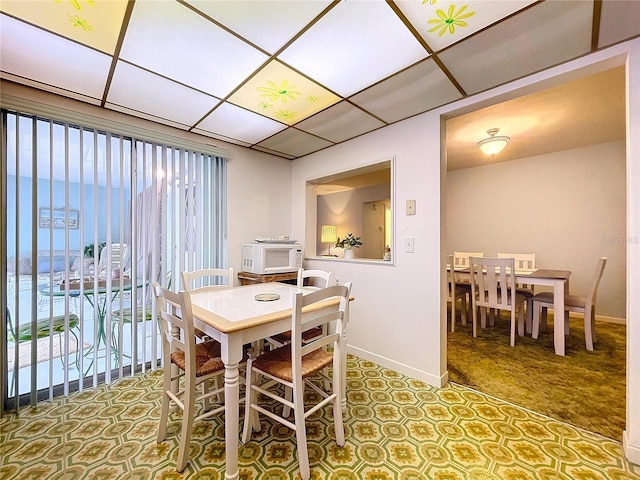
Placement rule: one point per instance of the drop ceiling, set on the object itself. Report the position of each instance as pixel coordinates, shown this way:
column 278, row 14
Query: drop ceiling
column 294, row 77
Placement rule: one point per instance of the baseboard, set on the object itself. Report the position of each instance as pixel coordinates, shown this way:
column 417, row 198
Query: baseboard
column 630, row 452
column 619, row 321
column 599, row 318
column 435, row 381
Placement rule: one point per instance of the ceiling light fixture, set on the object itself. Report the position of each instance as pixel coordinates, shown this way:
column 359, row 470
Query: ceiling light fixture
column 493, row 145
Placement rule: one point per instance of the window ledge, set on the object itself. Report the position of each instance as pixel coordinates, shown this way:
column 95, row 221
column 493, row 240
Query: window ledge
column 366, row 261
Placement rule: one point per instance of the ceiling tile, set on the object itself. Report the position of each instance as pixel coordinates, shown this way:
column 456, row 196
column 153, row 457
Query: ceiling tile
column 547, row 35
column 415, row 90
column 137, row 89
column 340, row 122
column 51, row 60
column 355, row 44
column 294, row 142
column 445, row 22
column 172, row 40
column 92, row 23
column 619, row 20
column 267, row 24
column 237, row 123
column 281, row 93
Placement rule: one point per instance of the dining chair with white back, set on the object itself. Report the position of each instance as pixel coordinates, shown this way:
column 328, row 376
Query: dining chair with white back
column 207, row 279
column 293, row 364
column 197, row 363
column 455, row 292
column 493, row 286
column 584, row 304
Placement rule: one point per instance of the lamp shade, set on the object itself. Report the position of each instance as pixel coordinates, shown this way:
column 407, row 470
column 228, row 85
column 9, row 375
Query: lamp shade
column 329, row 234
column 493, row 145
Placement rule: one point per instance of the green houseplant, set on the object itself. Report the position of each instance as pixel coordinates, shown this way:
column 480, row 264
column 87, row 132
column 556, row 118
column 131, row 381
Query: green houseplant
column 89, row 250
column 348, row 242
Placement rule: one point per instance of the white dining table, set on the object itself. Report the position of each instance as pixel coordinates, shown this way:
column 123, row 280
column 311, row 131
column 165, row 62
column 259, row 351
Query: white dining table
column 234, row 317
column 559, row 280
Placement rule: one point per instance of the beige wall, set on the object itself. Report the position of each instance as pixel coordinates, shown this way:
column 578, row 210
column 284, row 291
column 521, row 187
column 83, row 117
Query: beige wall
column 523, row 205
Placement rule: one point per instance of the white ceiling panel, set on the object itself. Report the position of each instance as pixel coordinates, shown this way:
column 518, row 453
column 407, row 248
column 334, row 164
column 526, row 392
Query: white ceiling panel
column 267, row 24
column 446, row 22
column 415, row 90
column 549, row 34
column 340, row 122
column 620, row 19
column 32, row 53
column 346, row 58
column 142, row 91
column 235, row 122
column 294, row 143
column 172, row 40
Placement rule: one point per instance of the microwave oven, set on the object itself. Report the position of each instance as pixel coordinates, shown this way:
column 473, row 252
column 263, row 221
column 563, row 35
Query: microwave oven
column 265, row 258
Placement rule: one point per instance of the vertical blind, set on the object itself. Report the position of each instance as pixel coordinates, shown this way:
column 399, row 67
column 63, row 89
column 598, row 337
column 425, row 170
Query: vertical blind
column 92, row 219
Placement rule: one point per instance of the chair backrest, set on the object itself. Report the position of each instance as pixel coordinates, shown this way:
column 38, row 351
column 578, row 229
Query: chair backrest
column 315, row 278
column 319, row 318
column 523, row 261
column 207, row 279
column 118, row 253
column 176, row 324
column 492, row 282
column 592, row 293
column 461, row 259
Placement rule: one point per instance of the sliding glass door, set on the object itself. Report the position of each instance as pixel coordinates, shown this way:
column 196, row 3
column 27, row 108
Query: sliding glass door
column 92, row 219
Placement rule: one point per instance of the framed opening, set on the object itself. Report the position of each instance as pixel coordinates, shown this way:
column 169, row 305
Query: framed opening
column 354, row 213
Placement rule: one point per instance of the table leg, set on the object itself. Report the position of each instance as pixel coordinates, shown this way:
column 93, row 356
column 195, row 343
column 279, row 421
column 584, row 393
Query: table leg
column 558, row 316
column 231, row 356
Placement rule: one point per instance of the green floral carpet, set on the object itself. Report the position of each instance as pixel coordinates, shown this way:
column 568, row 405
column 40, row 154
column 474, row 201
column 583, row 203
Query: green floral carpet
column 396, row 428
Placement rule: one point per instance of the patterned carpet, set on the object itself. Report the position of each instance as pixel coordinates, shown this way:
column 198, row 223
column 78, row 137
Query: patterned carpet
column 396, row 428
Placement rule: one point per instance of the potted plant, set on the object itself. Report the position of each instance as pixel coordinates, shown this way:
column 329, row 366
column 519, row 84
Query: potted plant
column 348, row 242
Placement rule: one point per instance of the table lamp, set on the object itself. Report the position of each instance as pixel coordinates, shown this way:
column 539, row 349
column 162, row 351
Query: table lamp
column 329, row 235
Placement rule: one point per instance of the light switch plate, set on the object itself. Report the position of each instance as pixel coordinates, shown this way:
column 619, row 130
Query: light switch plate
column 408, row 244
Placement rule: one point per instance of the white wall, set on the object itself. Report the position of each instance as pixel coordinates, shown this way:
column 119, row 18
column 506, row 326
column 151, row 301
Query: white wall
column 259, row 199
column 396, row 308
column 569, row 208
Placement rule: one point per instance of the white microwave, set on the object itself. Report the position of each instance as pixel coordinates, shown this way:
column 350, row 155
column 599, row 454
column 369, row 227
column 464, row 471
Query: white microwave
column 265, row 258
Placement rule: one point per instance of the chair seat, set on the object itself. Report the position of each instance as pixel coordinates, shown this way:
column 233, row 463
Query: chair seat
column 569, row 300
column 525, row 292
column 278, row 362
column 208, row 358
column 126, row 314
column 285, row 337
column 45, row 328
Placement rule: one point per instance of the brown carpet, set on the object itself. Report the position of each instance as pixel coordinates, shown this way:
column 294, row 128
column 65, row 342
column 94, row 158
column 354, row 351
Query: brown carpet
column 585, row 389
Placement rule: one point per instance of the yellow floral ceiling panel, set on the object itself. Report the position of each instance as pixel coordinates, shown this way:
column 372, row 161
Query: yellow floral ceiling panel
column 444, row 22
column 95, row 23
column 280, row 93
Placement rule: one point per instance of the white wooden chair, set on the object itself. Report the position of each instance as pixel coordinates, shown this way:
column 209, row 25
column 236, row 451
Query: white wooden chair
column 524, row 261
column 293, row 364
column 456, row 292
column 584, row 304
column 461, row 259
column 183, row 357
column 315, row 278
column 207, row 279
column 492, row 286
